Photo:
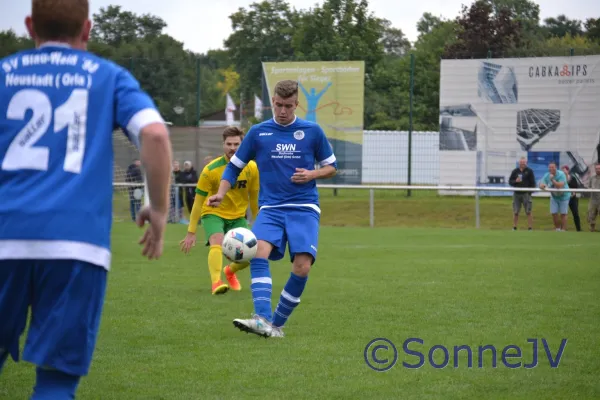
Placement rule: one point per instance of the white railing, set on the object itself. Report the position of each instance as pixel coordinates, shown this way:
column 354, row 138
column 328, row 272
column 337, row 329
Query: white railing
column 372, row 188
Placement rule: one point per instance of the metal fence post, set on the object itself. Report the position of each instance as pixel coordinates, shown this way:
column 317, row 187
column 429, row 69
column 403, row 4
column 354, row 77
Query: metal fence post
column 371, row 208
column 477, row 222
column 410, row 120
column 178, row 212
column 197, row 92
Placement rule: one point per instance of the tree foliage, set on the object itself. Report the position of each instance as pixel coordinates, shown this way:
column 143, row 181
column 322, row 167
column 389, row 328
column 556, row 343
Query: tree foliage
column 482, row 28
column 272, row 30
column 562, row 26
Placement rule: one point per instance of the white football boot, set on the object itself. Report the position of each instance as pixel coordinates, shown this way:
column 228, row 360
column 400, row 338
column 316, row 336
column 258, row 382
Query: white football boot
column 277, row 331
column 257, row 325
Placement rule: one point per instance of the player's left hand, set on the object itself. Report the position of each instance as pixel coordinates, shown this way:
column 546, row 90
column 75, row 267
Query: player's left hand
column 188, row 242
column 303, row 176
column 153, row 237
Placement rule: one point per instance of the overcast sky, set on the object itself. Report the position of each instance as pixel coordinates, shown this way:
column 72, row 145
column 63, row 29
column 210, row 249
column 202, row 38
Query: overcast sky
column 203, row 24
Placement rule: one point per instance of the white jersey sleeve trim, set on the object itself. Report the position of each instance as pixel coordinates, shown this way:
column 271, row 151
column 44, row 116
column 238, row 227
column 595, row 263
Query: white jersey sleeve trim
column 141, row 119
column 237, row 162
column 55, row 250
column 328, row 160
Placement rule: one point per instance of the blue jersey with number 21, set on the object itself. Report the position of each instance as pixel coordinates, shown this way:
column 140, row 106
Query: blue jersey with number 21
column 58, row 110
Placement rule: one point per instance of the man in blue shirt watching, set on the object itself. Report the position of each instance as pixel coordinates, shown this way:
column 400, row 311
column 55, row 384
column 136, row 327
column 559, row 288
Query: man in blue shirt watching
column 285, row 149
column 559, row 201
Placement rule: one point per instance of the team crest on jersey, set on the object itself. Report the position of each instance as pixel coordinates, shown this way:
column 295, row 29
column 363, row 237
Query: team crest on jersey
column 299, row 135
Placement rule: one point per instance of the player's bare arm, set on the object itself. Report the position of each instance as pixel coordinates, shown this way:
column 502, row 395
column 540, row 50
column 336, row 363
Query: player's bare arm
column 189, row 240
column 202, row 190
column 156, row 158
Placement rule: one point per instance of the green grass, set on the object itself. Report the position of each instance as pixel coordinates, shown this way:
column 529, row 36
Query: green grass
column 163, row 336
column 423, row 209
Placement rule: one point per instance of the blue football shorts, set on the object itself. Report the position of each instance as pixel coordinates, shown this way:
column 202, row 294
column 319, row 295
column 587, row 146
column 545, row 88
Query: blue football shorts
column 296, row 227
column 66, row 299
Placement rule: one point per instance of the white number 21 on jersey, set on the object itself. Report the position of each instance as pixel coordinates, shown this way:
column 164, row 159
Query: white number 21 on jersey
column 72, row 114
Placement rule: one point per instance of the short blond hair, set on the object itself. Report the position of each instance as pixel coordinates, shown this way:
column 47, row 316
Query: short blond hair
column 286, row 89
column 59, row 19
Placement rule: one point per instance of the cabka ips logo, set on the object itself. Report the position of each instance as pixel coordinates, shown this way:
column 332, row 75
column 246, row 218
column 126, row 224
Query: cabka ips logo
column 567, row 73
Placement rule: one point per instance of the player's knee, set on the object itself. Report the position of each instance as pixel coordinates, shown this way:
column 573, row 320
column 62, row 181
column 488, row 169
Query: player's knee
column 302, row 264
column 216, row 239
column 264, row 249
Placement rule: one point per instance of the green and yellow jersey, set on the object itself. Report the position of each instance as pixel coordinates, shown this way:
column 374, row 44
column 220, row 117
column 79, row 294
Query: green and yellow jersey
column 242, row 195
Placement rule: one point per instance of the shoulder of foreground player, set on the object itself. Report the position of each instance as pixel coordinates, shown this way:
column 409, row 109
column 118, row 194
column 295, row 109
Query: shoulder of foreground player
column 7, row 64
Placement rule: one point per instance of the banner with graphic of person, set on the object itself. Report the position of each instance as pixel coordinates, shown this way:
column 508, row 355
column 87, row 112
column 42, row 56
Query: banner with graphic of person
column 332, row 95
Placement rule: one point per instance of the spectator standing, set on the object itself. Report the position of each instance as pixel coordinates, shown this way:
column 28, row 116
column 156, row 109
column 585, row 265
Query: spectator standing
column 522, row 177
column 573, row 201
column 134, row 175
column 559, row 201
column 189, row 176
column 594, row 204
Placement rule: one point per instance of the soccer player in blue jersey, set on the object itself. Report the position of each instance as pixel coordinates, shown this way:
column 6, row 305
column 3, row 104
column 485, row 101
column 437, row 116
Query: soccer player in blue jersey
column 285, row 149
column 59, row 105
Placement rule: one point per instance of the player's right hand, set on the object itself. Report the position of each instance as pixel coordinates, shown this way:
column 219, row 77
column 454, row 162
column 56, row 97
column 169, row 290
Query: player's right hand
column 188, row 242
column 153, row 237
column 214, row 200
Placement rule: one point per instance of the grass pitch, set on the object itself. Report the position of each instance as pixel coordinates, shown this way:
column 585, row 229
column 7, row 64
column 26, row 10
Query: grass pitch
column 164, row 336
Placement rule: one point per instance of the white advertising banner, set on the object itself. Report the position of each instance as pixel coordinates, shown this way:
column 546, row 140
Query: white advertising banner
column 495, row 111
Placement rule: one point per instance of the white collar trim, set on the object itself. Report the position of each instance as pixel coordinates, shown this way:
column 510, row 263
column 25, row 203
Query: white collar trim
column 55, row 44
column 295, row 117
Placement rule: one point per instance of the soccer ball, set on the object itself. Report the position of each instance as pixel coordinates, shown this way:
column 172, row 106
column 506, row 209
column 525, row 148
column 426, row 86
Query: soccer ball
column 239, row 245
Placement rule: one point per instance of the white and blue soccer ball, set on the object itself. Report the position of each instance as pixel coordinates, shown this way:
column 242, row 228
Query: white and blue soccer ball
column 239, row 245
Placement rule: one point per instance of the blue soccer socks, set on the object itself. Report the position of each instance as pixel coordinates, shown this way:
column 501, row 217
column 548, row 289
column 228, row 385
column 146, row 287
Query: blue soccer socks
column 53, row 385
column 290, row 298
column 261, row 287
column 3, row 358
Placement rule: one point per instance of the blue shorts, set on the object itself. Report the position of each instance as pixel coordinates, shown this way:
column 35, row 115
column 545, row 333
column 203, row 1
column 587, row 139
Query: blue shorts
column 296, row 226
column 559, row 206
column 66, row 299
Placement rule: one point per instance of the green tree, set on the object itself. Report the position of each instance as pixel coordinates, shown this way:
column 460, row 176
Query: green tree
column 561, row 26
column 394, row 42
column 160, row 63
column 562, row 46
column 11, row 43
column 480, row 30
column 263, row 31
column 527, row 14
column 427, row 23
column 114, row 27
column 341, row 30
column 592, row 29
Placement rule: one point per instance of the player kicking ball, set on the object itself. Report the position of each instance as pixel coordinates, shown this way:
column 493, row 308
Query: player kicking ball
column 59, row 105
column 285, row 150
column 229, row 215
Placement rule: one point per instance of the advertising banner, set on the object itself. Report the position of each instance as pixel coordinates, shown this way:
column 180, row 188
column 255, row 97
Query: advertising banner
column 495, row 111
column 332, row 95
